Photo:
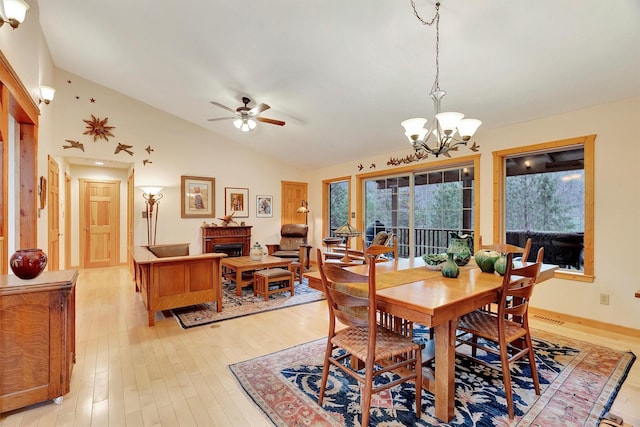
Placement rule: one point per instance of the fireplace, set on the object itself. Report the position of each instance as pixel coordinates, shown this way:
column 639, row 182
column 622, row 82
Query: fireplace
column 231, row 249
column 234, row 241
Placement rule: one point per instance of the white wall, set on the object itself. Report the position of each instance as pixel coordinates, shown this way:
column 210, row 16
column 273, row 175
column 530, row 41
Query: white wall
column 180, row 148
column 617, row 203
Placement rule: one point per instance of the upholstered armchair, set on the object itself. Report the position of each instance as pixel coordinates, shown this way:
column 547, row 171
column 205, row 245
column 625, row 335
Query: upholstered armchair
column 292, row 236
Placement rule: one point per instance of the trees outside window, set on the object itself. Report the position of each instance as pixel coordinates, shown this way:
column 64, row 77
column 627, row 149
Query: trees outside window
column 422, row 204
column 337, row 196
column 545, row 192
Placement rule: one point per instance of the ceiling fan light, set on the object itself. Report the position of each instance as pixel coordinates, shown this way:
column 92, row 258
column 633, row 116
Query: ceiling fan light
column 237, row 123
column 15, row 9
column 467, row 127
column 414, row 128
column 252, row 124
column 449, row 121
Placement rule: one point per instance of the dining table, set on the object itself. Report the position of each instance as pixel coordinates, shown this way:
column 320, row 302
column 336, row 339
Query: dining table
column 408, row 290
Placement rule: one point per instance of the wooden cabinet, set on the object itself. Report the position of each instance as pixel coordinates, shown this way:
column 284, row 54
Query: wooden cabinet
column 37, row 338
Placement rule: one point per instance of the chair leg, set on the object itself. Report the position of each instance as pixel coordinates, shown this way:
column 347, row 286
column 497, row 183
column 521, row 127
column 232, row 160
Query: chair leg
column 365, row 396
column 506, row 378
column 325, row 370
column 419, row 383
column 532, row 364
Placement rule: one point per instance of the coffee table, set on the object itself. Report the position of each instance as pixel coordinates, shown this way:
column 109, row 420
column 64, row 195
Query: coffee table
column 244, row 264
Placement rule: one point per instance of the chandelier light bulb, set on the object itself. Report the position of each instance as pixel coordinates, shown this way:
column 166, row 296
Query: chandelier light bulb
column 15, row 9
column 467, row 127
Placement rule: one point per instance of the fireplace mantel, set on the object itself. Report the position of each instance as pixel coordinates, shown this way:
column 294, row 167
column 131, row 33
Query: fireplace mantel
column 212, row 236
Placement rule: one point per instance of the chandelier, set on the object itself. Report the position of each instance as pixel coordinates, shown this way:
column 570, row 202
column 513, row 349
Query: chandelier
column 440, row 137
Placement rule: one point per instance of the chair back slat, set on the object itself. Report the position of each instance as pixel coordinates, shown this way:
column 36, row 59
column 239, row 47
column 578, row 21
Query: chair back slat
column 517, row 288
column 506, row 248
column 350, row 309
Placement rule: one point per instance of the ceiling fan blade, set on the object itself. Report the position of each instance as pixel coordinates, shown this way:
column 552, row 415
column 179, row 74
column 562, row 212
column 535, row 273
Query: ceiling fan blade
column 220, row 118
column 270, row 121
column 258, row 109
column 222, row 106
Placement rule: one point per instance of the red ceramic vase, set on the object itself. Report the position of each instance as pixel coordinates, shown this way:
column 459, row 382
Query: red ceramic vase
column 28, row 263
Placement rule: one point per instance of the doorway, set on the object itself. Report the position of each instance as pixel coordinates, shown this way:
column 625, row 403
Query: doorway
column 99, row 223
column 53, row 194
column 293, row 193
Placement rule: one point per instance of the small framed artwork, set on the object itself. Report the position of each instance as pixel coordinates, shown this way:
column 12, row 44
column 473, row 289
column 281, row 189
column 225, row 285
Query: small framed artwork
column 236, row 201
column 198, row 197
column 264, row 206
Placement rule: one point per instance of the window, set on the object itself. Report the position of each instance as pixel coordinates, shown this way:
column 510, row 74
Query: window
column 337, row 195
column 421, row 204
column 545, row 192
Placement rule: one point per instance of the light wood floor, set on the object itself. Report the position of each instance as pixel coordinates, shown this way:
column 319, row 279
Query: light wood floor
column 128, row 374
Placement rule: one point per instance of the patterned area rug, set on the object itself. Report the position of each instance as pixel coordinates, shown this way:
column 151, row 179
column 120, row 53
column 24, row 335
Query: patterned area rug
column 238, row 306
column 578, row 382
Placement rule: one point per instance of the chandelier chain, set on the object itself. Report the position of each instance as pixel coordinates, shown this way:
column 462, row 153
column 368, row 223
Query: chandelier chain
column 436, row 20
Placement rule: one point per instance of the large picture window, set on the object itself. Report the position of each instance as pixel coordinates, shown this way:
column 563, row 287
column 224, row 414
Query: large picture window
column 422, row 205
column 546, row 194
column 337, row 196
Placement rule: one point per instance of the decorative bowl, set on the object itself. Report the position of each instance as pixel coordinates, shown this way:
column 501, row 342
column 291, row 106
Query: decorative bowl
column 434, row 262
column 435, row 267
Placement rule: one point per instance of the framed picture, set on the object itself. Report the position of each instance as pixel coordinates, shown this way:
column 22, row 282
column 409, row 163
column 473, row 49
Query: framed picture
column 198, row 197
column 236, row 200
column 264, row 206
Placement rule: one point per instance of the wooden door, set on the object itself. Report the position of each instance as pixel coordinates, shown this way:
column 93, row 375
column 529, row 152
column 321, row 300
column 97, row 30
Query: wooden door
column 67, row 221
column 293, row 193
column 130, row 217
column 99, row 223
column 53, row 194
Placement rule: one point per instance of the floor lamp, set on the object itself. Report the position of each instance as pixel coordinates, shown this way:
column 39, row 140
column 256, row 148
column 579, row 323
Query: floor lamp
column 151, row 196
column 304, row 208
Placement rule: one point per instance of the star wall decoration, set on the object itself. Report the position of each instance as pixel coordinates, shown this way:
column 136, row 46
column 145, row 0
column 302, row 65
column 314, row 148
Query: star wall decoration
column 98, row 128
column 146, row 161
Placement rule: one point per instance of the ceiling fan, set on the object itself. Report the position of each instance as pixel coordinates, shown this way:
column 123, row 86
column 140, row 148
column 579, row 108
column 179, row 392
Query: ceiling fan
column 245, row 118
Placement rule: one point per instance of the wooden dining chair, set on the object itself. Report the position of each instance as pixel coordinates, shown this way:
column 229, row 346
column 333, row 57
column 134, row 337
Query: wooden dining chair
column 505, row 248
column 297, row 267
column 380, row 349
column 382, row 252
column 506, row 327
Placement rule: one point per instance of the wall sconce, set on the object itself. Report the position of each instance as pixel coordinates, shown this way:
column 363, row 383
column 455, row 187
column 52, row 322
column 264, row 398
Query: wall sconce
column 15, row 10
column 151, row 195
column 304, row 208
column 46, row 94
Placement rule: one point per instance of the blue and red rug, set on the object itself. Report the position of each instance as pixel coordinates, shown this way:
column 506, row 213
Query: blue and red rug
column 578, row 380
column 234, row 306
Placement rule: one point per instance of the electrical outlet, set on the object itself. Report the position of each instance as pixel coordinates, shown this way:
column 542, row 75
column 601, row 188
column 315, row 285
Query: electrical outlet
column 604, row 299
column 144, row 214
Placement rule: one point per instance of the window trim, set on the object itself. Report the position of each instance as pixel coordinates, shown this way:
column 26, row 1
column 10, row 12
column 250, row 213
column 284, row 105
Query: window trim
column 499, row 178
column 325, row 200
column 423, row 167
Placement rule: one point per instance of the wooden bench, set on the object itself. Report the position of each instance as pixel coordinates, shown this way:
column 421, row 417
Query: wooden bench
column 262, row 279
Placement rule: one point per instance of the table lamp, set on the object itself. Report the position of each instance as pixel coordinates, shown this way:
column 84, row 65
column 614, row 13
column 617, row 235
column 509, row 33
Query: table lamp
column 347, row 231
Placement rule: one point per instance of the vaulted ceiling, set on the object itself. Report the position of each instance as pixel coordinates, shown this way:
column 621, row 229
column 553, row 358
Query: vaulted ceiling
column 344, row 74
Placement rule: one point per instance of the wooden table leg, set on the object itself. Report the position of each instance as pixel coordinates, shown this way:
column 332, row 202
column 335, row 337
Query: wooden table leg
column 444, row 387
column 239, row 282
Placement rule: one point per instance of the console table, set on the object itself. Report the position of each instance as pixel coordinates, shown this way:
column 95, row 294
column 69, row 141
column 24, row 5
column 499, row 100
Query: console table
column 38, row 334
column 224, row 239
